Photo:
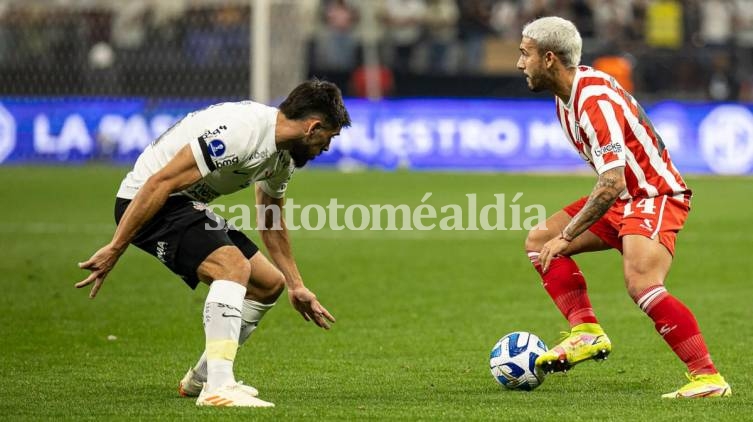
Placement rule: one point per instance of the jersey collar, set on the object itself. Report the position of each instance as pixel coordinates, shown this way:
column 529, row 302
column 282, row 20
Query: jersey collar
column 574, row 88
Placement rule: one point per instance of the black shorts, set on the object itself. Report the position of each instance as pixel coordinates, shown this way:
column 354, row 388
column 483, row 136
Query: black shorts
column 178, row 235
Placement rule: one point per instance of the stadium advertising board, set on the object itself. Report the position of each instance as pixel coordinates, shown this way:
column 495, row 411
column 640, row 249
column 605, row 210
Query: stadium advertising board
column 494, row 135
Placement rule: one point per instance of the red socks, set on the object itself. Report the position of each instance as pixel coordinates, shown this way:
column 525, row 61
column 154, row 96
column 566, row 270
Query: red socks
column 566, row 286
column 673, row 320
column 677, row 325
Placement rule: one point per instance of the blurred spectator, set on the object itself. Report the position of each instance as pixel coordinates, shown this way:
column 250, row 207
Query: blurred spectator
column 129, row 24
column 717, row 23
column 716, row 29
column 336, row 45
column 6, row 36
column 620, row 67
column 611, row 19
column 403, row 25
column 743, row 42
column 474, row 25
column 688, row 48
column 534, row 9
column 441, row 32
column 691, row 22
column 358, row 83
column 218, row 36
column 582, row 14
column 721, row 86
column 505, row 19
column 664, row 24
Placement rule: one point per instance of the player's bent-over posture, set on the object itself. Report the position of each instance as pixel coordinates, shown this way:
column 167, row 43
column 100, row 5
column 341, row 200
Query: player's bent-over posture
column 161, row 208
column 638, row 205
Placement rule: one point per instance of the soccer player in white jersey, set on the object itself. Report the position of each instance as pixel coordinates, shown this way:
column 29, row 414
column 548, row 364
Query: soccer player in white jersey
column 638, row 205
column 161, row 208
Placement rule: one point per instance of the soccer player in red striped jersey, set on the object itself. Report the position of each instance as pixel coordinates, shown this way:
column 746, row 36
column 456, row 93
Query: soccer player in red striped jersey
column 638, row 205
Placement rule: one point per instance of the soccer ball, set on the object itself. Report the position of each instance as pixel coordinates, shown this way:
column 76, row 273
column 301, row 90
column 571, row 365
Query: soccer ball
column 512, row 361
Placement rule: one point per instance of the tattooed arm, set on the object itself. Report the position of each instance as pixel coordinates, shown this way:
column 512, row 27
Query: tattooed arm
column 609, row 187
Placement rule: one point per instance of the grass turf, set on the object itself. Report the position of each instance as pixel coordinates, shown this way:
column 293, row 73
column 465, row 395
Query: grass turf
column 417, row 311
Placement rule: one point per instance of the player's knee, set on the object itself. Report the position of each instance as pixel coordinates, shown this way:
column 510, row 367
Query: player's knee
column 635, row 271
column 637, row 280
column 226, row 264
column 535, row 239
column 267, row 290
column 237, row 270
column 240, row 268
column 276, row 287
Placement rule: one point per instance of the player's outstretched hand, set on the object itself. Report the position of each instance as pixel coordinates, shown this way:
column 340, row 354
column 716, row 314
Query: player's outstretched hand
column 304, row 301
column 100, row 265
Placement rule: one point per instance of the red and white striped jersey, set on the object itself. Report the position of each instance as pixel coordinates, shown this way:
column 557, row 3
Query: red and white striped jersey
column 610, row 129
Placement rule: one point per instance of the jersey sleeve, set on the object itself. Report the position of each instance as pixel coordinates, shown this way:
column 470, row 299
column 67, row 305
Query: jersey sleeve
column 220, row 144
column 603, row 123
column 276, row 185
column 204, row 160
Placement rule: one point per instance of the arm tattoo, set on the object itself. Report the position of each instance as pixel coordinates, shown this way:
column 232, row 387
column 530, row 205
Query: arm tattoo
column 609, row 187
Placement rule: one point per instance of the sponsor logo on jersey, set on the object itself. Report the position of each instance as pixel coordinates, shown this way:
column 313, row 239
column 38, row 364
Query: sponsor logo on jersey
column 227, row 162
column 606, row 149
column 209, row 133
column 260, row 155
column 216, row 148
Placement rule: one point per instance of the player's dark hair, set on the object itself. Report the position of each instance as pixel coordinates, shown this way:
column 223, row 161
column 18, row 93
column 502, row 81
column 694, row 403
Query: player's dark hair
column 317, row 97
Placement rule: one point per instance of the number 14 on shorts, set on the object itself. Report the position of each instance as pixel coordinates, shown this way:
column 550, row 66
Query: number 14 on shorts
column 643, row 206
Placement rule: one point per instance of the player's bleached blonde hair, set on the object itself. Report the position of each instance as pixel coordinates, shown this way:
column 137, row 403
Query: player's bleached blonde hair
column 560, row 36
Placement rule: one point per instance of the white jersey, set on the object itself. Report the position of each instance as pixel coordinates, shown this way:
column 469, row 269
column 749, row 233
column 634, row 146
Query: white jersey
column 234, row 146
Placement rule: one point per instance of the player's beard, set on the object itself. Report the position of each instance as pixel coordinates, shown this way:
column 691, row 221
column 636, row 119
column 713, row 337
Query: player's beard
column 537, row 82
column 300, row 155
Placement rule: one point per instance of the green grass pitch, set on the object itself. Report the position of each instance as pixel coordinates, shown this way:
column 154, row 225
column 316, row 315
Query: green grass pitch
column 418, row 312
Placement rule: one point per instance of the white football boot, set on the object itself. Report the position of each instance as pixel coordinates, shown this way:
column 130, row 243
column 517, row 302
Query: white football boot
column 231, row 395
column 191, row 386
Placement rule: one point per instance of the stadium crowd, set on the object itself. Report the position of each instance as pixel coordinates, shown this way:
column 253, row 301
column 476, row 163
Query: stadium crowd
column 689, row 48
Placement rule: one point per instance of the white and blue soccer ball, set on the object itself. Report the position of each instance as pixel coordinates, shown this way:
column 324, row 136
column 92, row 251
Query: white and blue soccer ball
column 512, row 361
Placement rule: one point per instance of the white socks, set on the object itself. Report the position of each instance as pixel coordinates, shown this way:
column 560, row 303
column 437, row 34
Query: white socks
column 222, row 324
column 251, row 313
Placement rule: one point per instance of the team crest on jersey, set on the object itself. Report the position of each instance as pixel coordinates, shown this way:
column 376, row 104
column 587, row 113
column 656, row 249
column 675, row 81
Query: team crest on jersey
column 216, row 148
column 576, row 132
